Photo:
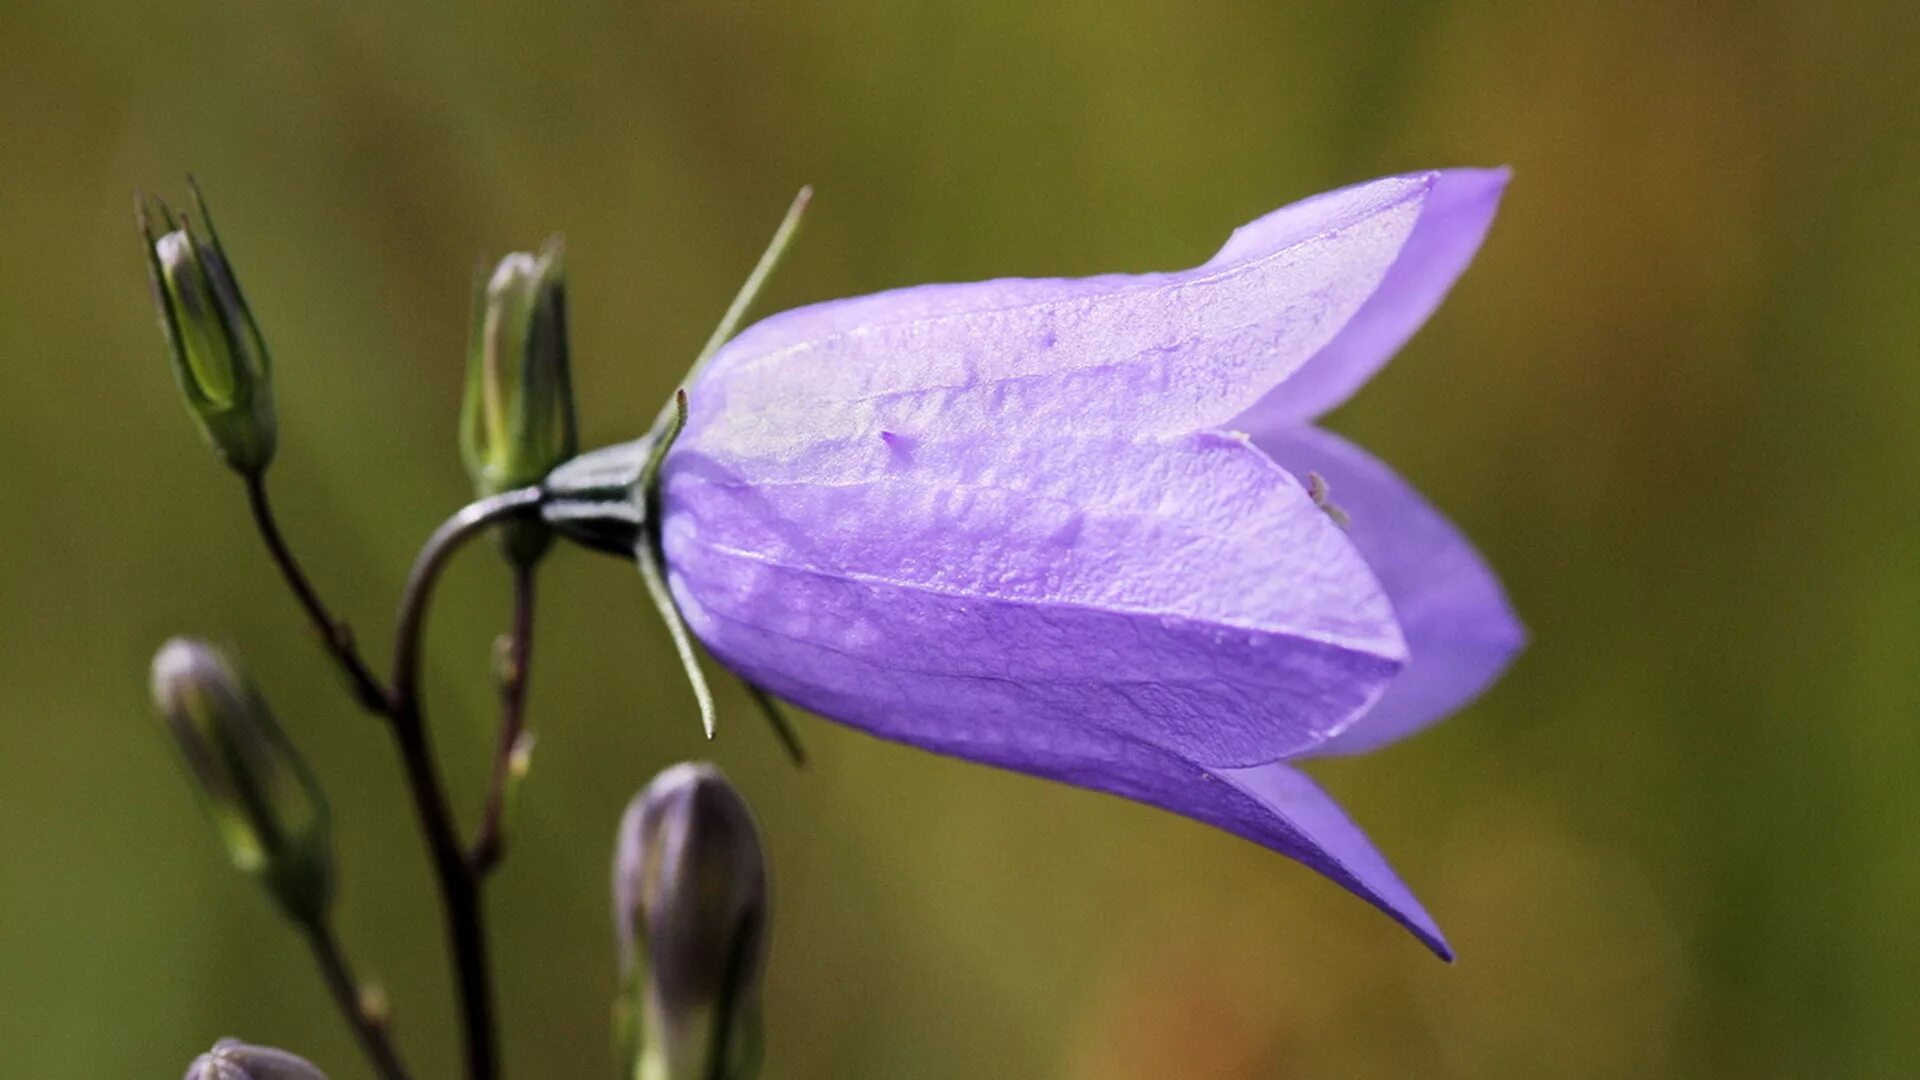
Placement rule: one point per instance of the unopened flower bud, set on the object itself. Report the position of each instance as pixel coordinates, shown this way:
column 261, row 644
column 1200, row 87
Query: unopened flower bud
column 231, row 1059
column 258, row 793
column 690, row 914
column 219, row 358
column 517, row 421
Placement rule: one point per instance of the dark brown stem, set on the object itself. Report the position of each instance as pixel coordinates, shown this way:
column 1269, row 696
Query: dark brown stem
column 459, row 884
column 489, row 842
column 369, row 1028
column 458, row 880
column 334, row 634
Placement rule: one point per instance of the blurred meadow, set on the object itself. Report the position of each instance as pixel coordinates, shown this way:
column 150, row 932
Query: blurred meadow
column 1674, row 402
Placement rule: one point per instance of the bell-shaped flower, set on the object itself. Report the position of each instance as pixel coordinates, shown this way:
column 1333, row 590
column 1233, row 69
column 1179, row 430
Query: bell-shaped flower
column 1085, row 529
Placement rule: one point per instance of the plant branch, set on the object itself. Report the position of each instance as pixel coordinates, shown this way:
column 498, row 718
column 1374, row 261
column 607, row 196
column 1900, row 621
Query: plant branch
column 459, row 885
column 457, row 878
column 369, row 1027
column 334, row 634
column 489, row 842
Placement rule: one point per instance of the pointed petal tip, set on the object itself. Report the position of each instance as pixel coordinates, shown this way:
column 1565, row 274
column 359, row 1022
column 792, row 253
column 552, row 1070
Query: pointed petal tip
column 1412, row 917
column 1492, row 174
column 1486, row 183
column 1415, row 921
column 1426, row 932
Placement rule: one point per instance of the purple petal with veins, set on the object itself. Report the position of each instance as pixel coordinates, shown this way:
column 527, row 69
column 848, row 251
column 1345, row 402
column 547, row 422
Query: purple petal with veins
column 1015, row 521
column 1461, row 632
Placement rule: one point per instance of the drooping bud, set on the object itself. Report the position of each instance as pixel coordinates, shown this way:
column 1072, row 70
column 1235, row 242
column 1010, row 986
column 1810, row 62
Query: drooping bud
column 219, row 358
column 690, row 916
column 231, row 1059
column 517, row 421
column 258, row 793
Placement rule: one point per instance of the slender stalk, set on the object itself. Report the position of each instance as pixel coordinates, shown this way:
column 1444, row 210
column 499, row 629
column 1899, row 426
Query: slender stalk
column 457, row 878
column 489, row 842
column 459, row 884
column 334, row 634
column 369, row 1028
column 469, row 522
column 459, row 900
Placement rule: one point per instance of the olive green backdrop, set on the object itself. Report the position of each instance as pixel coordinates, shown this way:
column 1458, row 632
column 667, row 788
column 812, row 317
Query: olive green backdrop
column 1675, row 402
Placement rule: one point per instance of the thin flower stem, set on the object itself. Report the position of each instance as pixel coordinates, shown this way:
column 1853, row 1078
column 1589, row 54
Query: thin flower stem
column 469, row 522
column 334, row 634
column 489, row 842
column 459, row 900
column 369, row 1027
column 399, row 702
column 459, row 884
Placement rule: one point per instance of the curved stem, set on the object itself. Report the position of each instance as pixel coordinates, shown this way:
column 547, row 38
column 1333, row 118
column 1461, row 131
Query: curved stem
column 459, row 885
column 334, row 634
column 457, row 530
column 369, row 1028
column 489, row 842
column 458, row 880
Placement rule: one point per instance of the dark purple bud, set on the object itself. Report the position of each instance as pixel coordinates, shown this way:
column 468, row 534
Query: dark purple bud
column 690, row 915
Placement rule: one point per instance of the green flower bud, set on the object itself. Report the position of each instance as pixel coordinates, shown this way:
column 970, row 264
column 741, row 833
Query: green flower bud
column 262, row 800
column 690, row 916
column 231, row 1059
column 517, row 421
column 219, row 358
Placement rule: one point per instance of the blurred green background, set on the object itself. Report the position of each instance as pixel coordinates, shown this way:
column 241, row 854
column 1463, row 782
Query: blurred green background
column 1675, row 402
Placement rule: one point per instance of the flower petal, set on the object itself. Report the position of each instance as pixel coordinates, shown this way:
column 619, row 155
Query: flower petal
column 1460, row 630
column 1286, row 811
column 1273, row 805
column 1183, row 590
column 1454, row 219
column 1159, row 353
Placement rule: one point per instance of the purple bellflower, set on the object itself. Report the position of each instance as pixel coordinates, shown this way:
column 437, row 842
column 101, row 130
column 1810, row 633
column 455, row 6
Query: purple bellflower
column 1085, row 529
